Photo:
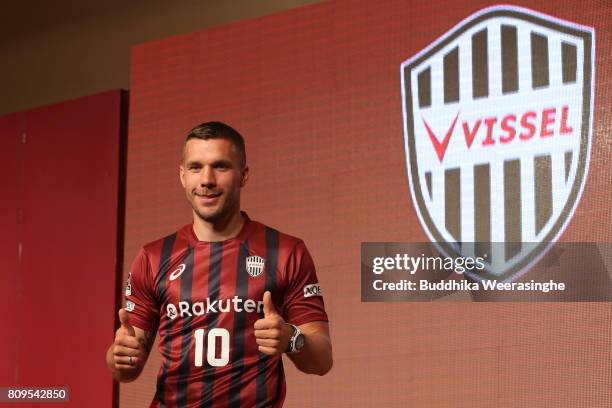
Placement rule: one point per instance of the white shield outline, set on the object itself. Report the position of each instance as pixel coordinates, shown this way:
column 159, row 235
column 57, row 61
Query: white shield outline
column 255, row 265
column 587, row 34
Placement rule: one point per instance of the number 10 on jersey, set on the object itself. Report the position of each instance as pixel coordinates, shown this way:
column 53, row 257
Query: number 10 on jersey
column 211, row 347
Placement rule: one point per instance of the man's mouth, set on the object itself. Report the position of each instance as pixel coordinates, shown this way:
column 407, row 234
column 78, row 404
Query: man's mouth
column 207, row 198
column 207, row 193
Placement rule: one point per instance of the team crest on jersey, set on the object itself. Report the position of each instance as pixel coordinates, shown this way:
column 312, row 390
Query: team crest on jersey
column 497, row 132
column 255, row 265
column 128, row 286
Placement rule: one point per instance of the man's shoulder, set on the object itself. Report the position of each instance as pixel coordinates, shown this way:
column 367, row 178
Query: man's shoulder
column 285, row 241
column 168, row 242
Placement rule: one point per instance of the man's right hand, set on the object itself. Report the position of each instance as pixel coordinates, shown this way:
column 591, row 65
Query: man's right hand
column 126, row 348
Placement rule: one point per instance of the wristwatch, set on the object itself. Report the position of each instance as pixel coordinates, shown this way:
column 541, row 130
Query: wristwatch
column 297, row 340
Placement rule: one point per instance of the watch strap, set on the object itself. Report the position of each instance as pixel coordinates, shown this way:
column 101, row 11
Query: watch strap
column 291, row 347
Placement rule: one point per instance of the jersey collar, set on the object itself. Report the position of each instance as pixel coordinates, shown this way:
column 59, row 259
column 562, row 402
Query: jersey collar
column 241, row 236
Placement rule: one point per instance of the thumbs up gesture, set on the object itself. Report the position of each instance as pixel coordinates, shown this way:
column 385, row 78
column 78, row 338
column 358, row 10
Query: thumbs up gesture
column 126, row 348
column 272, row 333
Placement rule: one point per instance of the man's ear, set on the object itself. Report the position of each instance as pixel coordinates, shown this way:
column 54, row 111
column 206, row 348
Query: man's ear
column 244, row 176
column 182, row 175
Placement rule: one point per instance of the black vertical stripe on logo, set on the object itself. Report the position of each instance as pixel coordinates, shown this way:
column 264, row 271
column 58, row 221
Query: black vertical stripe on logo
column 242, row 291
column 452, row 202
column 480, row 64
column 214, row 287
column 451, row 76
column 543, row 191
column 512, row 207
column 539, row 61
column 509, row 54
column 186, row 331
column 482, row 210
column 568, row 164
column 271, row 268
column 164, row 263
column 428, row 182
column 568, row 57
column 424, row 83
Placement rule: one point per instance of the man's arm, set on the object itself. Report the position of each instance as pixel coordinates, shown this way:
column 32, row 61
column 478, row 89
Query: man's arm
column 129, row 342
column 273, row 335
column 316, row 355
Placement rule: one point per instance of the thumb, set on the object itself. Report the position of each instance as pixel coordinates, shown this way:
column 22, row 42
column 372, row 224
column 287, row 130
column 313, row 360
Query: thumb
column 124, row 318
column 268, row 307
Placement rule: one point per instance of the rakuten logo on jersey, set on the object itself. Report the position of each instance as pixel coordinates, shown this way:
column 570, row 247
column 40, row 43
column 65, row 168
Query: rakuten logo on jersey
column 235, row 304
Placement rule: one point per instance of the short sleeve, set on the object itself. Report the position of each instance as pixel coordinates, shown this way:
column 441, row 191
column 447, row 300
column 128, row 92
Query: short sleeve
column 303, row 300
column 140, row 296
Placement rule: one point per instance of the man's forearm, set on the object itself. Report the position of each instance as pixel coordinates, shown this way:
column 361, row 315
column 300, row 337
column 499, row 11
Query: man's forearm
column 316, row 355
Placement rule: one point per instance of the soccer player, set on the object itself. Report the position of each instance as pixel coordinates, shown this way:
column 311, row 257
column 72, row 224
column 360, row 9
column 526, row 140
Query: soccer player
column 227, row 294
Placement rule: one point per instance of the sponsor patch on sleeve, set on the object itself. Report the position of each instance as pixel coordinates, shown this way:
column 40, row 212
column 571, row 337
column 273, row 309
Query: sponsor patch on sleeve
column 128, row 286
column 312, row 290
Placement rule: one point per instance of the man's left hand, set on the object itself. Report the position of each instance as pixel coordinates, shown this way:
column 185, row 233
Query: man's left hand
column 272, row 333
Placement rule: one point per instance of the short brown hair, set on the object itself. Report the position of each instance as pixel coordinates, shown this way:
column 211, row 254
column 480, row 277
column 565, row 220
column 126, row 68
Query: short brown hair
column 219, row 130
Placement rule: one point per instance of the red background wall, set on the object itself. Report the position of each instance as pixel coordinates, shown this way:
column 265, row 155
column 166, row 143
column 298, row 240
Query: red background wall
column 61, row 245
column 316, row 93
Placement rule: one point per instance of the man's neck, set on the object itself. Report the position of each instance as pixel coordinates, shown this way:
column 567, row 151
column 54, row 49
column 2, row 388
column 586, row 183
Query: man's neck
column 220, row 231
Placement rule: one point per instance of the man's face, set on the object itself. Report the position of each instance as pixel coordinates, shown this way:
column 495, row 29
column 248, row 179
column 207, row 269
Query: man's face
column 212, row 178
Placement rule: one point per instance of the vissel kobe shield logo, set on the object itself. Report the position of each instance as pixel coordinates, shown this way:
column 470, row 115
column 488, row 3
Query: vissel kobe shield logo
column 255, row 265
column 497, row 129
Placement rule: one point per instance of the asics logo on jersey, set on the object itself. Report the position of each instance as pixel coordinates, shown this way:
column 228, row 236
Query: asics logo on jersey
column 236, row 304
column 177, row 272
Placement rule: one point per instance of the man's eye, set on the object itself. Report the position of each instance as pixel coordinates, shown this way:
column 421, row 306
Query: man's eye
column 194, row 168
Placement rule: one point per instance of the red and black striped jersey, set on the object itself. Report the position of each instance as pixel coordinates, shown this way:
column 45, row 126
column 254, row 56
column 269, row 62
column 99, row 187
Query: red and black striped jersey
column 204, row 298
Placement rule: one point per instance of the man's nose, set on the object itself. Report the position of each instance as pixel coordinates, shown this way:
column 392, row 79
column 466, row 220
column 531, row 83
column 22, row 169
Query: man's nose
column 207, row 177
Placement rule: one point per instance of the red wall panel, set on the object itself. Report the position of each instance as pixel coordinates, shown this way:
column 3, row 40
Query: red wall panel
column 316, row 92
column 65, row 293
column 11, row 157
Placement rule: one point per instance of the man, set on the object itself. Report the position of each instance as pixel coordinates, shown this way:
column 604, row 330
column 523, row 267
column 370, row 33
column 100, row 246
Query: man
column 228, row 295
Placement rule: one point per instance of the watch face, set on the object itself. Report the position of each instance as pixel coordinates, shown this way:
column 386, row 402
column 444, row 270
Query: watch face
column 299, row 342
